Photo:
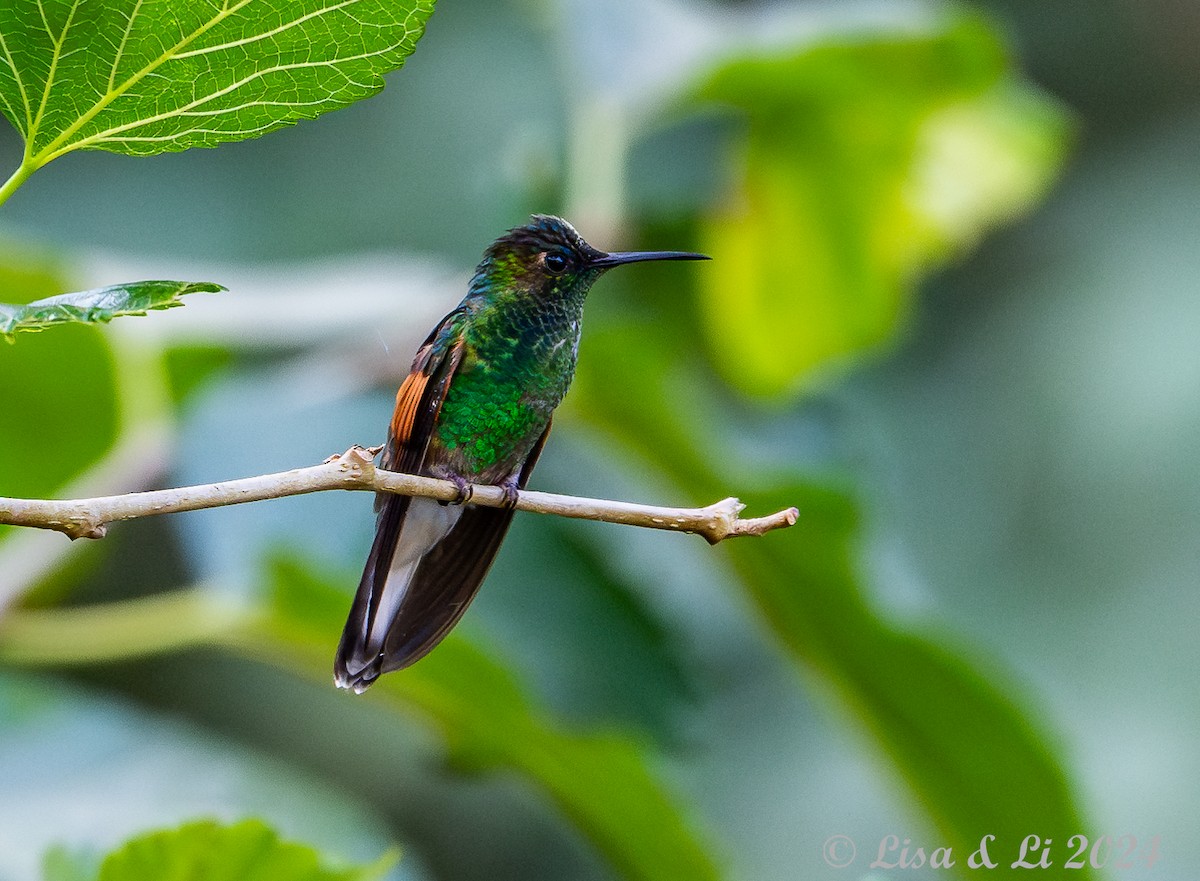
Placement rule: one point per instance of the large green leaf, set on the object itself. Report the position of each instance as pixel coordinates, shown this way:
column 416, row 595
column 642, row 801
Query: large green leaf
column 971, row 755
column 97, row 306
column 148, row 76
column 864, row 162
column 603, row 782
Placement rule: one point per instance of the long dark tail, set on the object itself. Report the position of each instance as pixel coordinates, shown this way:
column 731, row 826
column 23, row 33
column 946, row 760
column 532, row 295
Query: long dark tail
column 424, row 569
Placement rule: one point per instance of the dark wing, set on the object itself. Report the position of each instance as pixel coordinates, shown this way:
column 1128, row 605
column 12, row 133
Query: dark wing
column 420, row 397
column 448, row 577
column 418, row 403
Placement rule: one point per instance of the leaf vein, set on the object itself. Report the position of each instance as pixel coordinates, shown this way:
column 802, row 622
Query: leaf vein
column 58, row 44
column 53, row 150
column 112, row 75
column 256, row 37
column 169, row 114
column 20, row 88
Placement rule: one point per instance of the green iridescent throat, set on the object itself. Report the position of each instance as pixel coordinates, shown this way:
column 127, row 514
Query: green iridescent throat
column 518, row 362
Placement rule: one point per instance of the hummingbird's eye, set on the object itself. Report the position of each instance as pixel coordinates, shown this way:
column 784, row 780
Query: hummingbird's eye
column 555, row 263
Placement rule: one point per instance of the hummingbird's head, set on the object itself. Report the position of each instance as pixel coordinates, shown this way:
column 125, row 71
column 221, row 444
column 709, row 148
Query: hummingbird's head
column 548, row 260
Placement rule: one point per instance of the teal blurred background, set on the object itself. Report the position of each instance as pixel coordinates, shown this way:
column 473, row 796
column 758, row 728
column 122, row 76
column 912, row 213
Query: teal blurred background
column 995, row 380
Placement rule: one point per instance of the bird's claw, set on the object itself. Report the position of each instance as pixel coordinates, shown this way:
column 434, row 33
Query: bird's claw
column 465, row 490
column 511, row 494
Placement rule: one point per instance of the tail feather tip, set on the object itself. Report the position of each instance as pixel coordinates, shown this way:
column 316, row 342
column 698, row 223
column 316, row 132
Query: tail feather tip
column 357, row 681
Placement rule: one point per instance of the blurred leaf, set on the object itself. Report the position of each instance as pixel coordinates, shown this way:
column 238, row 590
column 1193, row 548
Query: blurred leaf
column 209, row 851
column 601, row 781
column 60, row 405
column 60, row 410
column 128, row 628
column 61, row 864
column 864, row 163
column 190, row 367
column 27, row 272
column 88, row 772
column 979, row 163
column 586, row 639
column 98, row 306
column 148, row 76
column 82, row 413
column 971, row 757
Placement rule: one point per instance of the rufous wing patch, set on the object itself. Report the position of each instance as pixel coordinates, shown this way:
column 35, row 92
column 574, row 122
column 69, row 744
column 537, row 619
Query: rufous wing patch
column 408, row 400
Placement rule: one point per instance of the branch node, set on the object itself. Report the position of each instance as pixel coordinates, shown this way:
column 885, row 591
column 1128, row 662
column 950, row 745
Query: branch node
column 357, row 464
column 84, row 529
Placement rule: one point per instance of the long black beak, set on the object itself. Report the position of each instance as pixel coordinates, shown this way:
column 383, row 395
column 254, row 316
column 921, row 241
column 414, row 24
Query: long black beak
column 607, row 260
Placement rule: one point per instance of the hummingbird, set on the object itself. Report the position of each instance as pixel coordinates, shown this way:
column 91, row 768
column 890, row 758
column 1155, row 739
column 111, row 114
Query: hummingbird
column 475, row 409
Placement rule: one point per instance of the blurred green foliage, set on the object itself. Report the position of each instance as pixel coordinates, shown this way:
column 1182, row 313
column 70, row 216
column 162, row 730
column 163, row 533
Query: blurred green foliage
column 206, row 850
column 863, row 165
column 601, row 780
column 81, row 774
column 970, row 756
column 73, row 411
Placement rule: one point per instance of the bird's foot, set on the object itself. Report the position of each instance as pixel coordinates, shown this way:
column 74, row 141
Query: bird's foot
column 464, row 487
column 511, row 491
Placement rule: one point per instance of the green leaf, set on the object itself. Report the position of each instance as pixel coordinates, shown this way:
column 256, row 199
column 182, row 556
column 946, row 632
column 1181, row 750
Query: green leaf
column 210, row 851
column 603, row 782
column 98, row 306
column 952, row 728
column 864, row 164
column 148, row 76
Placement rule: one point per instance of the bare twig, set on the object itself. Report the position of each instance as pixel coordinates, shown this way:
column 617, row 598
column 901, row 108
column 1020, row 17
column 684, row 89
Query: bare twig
column 355, row 470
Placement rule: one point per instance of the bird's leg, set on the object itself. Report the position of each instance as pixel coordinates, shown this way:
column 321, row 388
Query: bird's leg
column 465, row 490
column 511, row 488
